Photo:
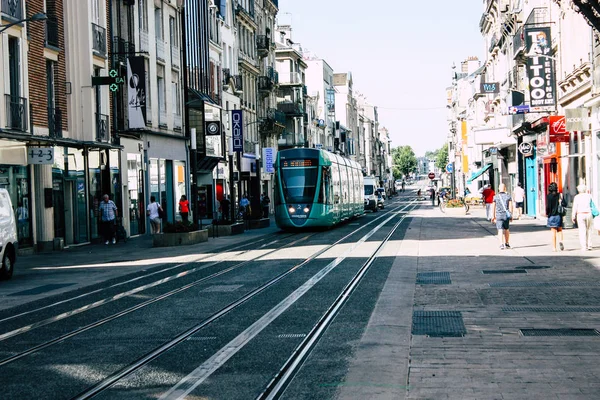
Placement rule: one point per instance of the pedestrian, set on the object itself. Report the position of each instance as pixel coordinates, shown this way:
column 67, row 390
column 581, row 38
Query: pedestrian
column 555, row 222
column 225, row 207
column 519, row 197
column 245, row 206
column 265, row 202
column 108, row 216
column 582, row 215
column 153, row 211
column 488, row 199
column 22, row 216
column 184, row 208
column 502, row 209
column 432, row 195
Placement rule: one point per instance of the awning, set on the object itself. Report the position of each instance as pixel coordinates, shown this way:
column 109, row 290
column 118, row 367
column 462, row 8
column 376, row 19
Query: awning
column 196, row 98
column 208, row 163
column 477, row 174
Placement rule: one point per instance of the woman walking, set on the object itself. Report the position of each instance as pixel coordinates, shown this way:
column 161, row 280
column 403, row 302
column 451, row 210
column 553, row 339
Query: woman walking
column 502, row 209
column 184, row 208
column 555, row 222
column 582, row 214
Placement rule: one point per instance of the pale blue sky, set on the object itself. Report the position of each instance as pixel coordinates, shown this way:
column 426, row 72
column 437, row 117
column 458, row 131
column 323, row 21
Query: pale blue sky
column 400, row 53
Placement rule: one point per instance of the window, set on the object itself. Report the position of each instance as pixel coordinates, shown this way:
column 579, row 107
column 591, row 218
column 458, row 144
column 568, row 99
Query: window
column 143, row 13
column 158, row 23
column 173, row 36
column 175, row 95
column 96, row 11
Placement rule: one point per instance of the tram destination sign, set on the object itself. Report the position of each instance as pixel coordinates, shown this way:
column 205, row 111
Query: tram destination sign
column 308, row 162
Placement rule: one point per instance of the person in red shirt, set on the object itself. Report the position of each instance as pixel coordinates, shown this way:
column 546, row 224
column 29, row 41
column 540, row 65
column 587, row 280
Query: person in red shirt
column 488, row 198
column 184, row 208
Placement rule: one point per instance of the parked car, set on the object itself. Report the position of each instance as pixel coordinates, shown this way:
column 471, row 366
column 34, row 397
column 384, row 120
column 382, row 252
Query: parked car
column 8, row 236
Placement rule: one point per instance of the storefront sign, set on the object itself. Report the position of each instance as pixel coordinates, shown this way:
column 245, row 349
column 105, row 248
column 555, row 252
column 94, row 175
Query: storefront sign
column 557, row 129
column 213, row 128
column 540, row 67
column 268, row 154
column 136, row 92
column 237, row 129
column 518, row 110
column 40, row 155
column 577, row 119
column 489, row 87
column 526, row 149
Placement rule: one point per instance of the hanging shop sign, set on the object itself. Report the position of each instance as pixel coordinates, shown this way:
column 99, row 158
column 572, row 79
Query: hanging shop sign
column 489, row 88
column 526, row 149
column 268, row 154
column 213, row 128
column 136, row 92
column 557, row 129
column 237, row 130
column 540, row 67
column 577, row 119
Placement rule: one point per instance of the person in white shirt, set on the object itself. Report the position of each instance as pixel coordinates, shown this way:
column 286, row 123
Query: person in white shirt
column 582, row 214
column 519, row 197
column 153, row 215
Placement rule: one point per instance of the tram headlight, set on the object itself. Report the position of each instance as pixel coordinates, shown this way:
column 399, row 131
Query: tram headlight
column 292, row 210
column 306, row 210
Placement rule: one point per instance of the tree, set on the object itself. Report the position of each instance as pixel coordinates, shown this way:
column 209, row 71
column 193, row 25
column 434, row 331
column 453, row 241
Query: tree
column 442, row 157
column 404, row 160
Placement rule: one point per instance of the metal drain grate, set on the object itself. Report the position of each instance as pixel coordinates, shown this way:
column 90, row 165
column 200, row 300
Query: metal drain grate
column 433, row 278
column 291, row 335
column 542, row 284
column 552, row 309
column 504, row 271
column 438, row 323
column 559, row 332
column 533, row 267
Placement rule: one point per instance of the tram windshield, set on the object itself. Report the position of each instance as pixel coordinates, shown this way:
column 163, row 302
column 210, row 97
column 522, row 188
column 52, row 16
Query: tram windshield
column 299, row 184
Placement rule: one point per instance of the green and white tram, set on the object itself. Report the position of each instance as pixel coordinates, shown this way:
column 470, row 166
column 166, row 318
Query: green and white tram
column 316, row 188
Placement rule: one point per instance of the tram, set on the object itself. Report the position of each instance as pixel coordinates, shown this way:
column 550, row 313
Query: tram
column 316, row 188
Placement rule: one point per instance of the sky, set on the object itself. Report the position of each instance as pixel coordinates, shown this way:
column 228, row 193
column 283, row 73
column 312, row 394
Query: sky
column 400, row 53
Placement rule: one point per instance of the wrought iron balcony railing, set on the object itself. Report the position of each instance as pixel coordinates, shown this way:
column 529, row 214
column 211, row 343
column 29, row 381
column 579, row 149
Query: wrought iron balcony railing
column 160, row 49
column 263, row 44
column 98, row 40
column 290, row 78
column 13, row 8
column 122, row 49
column 175, row 55
column 265, row 84
column 144, row 41
column 16, row 113
column 239, row 86
column 55, row 122
column 102, row 132
column 52, row 31
column 518, row 42
column 291, row 108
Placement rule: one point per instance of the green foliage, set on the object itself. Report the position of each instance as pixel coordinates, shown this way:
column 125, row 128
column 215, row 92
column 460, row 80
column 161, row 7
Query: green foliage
column 404, row 160
column 179, row 227
column 442, row 157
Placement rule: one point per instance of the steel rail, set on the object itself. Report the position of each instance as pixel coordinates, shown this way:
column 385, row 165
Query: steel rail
column 142, row 361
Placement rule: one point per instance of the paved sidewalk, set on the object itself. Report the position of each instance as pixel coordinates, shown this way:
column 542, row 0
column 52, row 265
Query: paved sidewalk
column 408, row 349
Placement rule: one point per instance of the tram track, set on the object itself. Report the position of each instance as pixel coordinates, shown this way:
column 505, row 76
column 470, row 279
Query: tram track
column 121, row 374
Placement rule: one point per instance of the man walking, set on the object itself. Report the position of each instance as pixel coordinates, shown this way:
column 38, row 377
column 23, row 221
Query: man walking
column 519, row 195
column 108, row 215
column 488, row 198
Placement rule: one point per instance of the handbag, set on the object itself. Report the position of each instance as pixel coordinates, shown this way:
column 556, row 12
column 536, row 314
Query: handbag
column 561, row 209
column 508, row 214
column 595, row 212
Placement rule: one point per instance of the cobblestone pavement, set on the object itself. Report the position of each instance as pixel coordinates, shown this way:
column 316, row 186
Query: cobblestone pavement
column 468, row 336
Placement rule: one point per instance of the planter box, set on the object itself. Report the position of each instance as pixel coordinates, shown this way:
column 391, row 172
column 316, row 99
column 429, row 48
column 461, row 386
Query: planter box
column 260, row 223
column 226, row 230
column 179, row 239
column 455, row 211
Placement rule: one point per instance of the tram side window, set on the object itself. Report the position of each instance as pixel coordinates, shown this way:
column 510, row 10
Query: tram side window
column 276, row 196
column 324, row 191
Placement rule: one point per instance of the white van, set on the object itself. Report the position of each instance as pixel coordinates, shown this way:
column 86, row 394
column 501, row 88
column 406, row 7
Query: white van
column 370, row 186
column 8, row 236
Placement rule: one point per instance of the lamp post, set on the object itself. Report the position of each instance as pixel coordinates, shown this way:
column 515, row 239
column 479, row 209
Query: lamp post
column 34, row 18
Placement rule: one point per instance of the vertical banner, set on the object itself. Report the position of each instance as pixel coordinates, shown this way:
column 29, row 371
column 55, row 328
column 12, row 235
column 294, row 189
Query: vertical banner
column 136, row 92
column 268, row 157
column 237, row 130
column 540, row 68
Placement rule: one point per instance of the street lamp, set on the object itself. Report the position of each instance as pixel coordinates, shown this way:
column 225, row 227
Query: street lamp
column 35, row 17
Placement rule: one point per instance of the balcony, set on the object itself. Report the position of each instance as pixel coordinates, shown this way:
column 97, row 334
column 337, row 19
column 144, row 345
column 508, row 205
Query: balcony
column 290, row 78
column 122, row 49
column 226, row 78
column 175, row 57
column 52, row 31
column 99, row 40
column 16, row 113
column 243, row 57
column 273, row 74
column 265, row 85
column 55, row 122
column 291, row 109
column 144, row 42
column 263, row 44
column 160, row 49
column 13, row 8
column 538, row 16
column 102, row 133
column 246, row 12
column 518, row 43
column 290, row 139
